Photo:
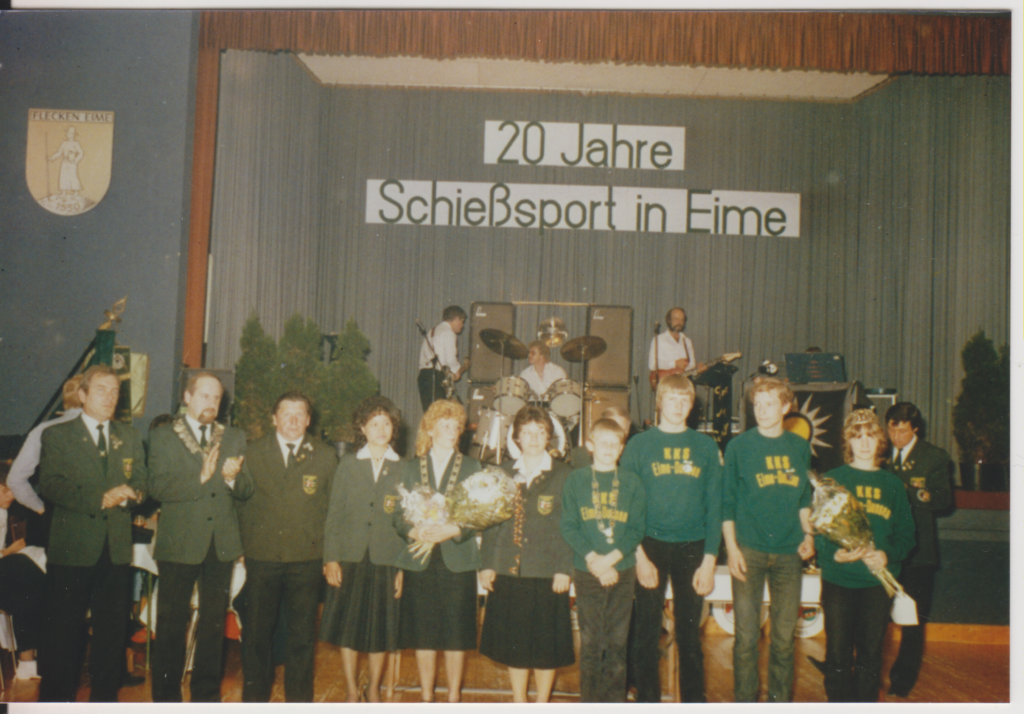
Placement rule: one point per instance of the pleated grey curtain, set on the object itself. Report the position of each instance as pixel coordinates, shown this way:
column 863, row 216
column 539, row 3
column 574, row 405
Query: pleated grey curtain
column 904, row 251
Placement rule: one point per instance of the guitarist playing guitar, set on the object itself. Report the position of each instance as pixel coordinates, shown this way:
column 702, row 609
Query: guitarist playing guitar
column 672, row 351
column 439, row 357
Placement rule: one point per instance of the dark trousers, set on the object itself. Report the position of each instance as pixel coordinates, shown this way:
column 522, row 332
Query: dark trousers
column 22, row 588
column 431, row 386
column 919, row 583
column 71, row 591
column 603, row 615
column 678, row 561
column 855, row 623
column 267, row 585
column 173, row 611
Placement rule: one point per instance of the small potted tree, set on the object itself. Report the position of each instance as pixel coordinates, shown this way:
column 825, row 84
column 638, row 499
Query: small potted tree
column 981, row 416
column 267, row 368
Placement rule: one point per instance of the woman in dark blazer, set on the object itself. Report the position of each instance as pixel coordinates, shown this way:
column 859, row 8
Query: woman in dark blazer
column 361, row 548
column 526, row 564
column 438, row 610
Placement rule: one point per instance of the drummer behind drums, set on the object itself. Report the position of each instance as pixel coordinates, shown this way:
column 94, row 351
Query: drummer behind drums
column 541, row 373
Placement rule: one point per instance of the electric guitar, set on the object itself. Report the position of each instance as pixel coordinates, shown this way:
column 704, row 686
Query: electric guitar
column 448, row 383
column 656, row 375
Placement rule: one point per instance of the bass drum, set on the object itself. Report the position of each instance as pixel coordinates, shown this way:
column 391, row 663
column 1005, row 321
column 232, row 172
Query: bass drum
column 565, row 397
column 555, row 443
column 511, row 395
column 492, row 426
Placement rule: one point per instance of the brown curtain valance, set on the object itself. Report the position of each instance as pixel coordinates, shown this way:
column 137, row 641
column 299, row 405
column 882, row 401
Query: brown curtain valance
column 893, row 43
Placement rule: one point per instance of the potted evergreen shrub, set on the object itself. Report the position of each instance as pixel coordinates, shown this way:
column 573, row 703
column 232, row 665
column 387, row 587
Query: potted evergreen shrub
column 981, row 416
column 267, row 368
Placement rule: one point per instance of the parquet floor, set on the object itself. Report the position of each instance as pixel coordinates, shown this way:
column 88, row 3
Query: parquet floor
column 952, row 672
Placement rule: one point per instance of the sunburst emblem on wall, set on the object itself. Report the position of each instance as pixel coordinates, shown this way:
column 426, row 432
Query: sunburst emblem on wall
column 807, row 423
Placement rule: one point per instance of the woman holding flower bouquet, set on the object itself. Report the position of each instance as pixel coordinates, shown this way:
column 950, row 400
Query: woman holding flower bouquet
column 361, row 548
column 526, row 565
column 854, row 601
column 438, row 608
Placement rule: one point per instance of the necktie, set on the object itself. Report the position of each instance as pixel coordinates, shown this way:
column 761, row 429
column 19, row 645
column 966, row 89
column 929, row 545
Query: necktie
column 202, row 437
column 291, row 454
column 101, row 441
column 897, row 460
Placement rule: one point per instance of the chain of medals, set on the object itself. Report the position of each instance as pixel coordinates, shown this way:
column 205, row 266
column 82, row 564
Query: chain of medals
column 425, row 477
column 613, row 502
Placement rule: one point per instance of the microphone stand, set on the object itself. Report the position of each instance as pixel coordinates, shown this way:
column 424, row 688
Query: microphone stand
column 657, row 377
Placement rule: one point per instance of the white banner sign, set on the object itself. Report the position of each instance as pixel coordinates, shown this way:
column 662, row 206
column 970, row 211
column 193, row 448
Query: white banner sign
column 591, row 208
column 606, row 146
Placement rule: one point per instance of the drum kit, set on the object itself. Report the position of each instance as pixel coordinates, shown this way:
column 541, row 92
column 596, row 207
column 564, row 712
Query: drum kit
column 563, row 400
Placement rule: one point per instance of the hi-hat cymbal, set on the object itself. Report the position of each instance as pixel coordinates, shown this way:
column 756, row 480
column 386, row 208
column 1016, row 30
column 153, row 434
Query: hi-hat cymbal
column 503, row 343
column 583, row 348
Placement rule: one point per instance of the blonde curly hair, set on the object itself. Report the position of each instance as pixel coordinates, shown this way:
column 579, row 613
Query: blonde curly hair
column 864, row 420
column 441, row 409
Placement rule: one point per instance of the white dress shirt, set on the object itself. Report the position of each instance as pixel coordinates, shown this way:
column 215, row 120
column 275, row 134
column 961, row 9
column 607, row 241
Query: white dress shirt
column 440, row 461
column 669, row 351
column 389, row 455
column 91, row 425
column 904, row 452
column 540, row 384
column 525, row 476
column 283, row 444
column 443, row 338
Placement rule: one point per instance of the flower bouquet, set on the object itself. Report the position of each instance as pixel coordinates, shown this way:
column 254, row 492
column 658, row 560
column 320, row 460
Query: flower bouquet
column 423, row 506
column 484, row 499
column 841, row 518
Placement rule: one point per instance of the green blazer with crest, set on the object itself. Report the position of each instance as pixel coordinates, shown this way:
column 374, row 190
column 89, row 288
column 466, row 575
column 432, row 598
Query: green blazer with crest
column 460, row 553
column 192, row 513
column 283, row 521
column 74, row 478
column 926, row 477
column 359, row 517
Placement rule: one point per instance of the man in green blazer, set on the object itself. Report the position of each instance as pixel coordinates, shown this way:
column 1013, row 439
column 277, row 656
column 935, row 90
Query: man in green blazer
column 282, row 528
column 92, row 470
column 925, row 472
column 196, row 472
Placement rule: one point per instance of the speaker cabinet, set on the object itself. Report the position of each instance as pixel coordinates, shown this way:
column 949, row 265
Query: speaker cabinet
column 881, row 400
column 599, row 400
column 479, row 397
column 487, row 365
column 614, row 324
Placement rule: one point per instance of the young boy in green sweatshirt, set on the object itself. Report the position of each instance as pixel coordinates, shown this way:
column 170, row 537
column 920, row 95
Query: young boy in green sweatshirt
column 603, row 520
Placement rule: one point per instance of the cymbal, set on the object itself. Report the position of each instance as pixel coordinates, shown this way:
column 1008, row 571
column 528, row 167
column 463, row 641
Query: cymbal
column 503, row 343
column 583, row 348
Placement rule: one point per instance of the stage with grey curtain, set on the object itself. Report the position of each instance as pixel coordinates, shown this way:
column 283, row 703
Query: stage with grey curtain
column 903, row 250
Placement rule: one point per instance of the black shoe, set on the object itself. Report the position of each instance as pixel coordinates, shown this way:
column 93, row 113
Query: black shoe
column 132, row 680
column 818, row 664
column 900, row 690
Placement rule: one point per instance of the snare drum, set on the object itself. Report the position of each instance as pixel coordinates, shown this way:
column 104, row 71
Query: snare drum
column 565, row 397
column 510, row 395
column 555, row 443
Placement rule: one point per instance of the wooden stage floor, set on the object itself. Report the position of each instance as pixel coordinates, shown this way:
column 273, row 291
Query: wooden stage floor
column 952, row 672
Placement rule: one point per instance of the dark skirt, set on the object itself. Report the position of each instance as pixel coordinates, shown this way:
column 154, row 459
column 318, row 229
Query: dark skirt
column 438, row 610
column 527, row 625
column 362, row 614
